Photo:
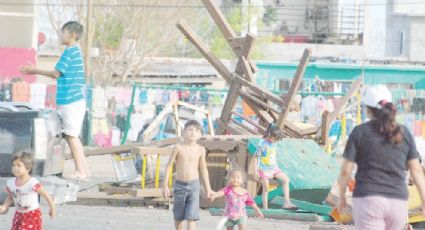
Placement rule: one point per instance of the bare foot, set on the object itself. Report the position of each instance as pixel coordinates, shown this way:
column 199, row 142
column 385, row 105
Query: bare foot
column 289, row 206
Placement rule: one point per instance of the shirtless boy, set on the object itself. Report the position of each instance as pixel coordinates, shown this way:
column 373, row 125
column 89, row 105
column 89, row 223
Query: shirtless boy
column 190, row 162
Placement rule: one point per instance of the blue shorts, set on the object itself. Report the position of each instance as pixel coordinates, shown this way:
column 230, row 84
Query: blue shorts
column 186, row 200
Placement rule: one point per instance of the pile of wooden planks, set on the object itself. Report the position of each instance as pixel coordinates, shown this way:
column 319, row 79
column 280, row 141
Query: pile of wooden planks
column 267, row 106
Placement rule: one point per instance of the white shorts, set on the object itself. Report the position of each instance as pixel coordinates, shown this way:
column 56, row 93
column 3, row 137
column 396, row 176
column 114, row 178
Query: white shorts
column 72, row 117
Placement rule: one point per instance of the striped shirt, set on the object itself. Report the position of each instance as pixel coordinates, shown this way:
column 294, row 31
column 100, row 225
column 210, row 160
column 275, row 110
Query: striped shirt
column 71, row 82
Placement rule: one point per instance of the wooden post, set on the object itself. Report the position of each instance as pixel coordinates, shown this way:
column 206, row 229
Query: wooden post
column 294, row 88
column 242, row 67
column 231, row 98
column 219, row 19
column 325, row 129
column 353, row 89
column 176, row 119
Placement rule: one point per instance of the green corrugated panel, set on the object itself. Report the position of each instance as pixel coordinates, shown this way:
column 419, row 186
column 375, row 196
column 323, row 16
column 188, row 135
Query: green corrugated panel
column 279, row 214
column 312, row 171
column 303, row 205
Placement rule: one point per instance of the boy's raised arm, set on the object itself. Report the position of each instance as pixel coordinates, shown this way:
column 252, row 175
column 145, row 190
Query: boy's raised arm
column 204, row 172
column 30, row 69
column 167, row 171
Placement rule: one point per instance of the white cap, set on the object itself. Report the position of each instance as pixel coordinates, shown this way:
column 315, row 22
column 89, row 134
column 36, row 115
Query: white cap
column 373, row 95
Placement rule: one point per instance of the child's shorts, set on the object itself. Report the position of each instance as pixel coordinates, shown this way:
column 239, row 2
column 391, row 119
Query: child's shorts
column 27, row 220
column 268, row 173
column 186, row 200
column 241, row 220
column 72, row 117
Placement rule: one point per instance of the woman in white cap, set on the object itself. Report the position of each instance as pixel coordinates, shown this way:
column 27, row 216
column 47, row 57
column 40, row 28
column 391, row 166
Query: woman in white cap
column 383, row 150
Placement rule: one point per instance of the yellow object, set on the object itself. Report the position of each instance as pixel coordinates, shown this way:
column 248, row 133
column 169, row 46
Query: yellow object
column 414, row 205
column 144, row 171
column 343, row 127
column 158, row 164
column 359, row 112
column 341, row 218
column 170, row 181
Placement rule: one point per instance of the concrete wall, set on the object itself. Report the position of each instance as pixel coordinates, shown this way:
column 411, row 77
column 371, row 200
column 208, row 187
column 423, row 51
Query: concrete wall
column 18, row 24
column 294, row 51
column 375, row 28
column 417, row 38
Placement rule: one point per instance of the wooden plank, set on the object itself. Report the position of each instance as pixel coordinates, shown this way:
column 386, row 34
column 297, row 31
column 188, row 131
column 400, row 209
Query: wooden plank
column 210, row 124
column 241, row 67
column 176, row 119
column 325, row 129
column 128, row 147
column 257, row 101
column 231, row 98
column 236, row 42
column 236, row 130
column 203, row 49
column 168, row 108
column 307, row 206
column 219, row 19
column 342, row 103
column 262, row 92
column 295, row 84
column 193, row 107
column 152, row 151
column 149, row 192
column 247, row 119
column 250, row 130
column 246, row 68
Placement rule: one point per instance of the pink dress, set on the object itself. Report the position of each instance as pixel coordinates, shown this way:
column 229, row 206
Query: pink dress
column 236, row 203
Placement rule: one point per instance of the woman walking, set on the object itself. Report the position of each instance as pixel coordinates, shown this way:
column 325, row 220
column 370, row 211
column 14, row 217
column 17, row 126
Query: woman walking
column 383, row 150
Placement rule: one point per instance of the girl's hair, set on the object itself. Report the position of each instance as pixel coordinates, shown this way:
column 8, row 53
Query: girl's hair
column 234, row 170
column 385, row 123
column 26, row 158
column 273, row 131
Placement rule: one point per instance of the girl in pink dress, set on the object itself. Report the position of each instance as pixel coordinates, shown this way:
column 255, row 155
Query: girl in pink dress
column 236, row 197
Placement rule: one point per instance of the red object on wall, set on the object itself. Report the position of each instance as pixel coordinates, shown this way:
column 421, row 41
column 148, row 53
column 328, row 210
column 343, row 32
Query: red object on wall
column 10, row 61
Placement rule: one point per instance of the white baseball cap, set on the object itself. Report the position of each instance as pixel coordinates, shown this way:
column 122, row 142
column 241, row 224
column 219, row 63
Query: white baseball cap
column 373, row 95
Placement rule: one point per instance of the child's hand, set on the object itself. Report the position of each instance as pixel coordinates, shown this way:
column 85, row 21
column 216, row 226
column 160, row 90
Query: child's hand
column 28, row 69
column 259, row 214
column 166, row 192
column 212, row 197
column 3, row 209
column 52, row 212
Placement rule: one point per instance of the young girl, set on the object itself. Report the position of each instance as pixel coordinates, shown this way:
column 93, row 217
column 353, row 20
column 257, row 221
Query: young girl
column 236, row 198
column 24, row 190
column 267, row 168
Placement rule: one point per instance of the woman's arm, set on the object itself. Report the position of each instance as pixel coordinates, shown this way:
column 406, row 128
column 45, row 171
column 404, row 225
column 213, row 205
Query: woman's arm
column 344, row 178
column 418, row 178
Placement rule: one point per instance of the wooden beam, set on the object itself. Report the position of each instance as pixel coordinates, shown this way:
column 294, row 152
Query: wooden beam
column 242, row 67
column 128, row 147
column 152, row 151
column 236, row 42
column 230, row 102
column 260, row 128
column 236, row 130
column 192, row 107
column 261, row 91
column 203, row 49
column 294, row 88
column 176, row 119
column 210, row 124
column 248, row 129
column 324, row 139
column 219, row 19
column 257, row 101
column 342, row 103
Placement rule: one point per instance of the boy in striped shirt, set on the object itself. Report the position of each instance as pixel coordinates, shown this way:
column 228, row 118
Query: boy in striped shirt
column 70, row 101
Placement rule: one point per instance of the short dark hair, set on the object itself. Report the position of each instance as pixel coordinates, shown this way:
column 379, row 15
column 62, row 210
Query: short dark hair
column 234, row 170
column 193, row 123
column 74, row 27
column 25, row 157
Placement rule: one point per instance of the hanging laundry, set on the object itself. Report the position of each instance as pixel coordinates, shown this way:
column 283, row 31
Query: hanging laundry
column 418, row 129
column 38, row 95
column 21, row 92
column 143, row 96
column 174, row 95
column 99, row 102
column 247, row 111
column 51, row 96
column 6, row 91
column 136, row 125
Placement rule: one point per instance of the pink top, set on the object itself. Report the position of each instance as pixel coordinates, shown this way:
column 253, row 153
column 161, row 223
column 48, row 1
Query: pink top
column 236, row 203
